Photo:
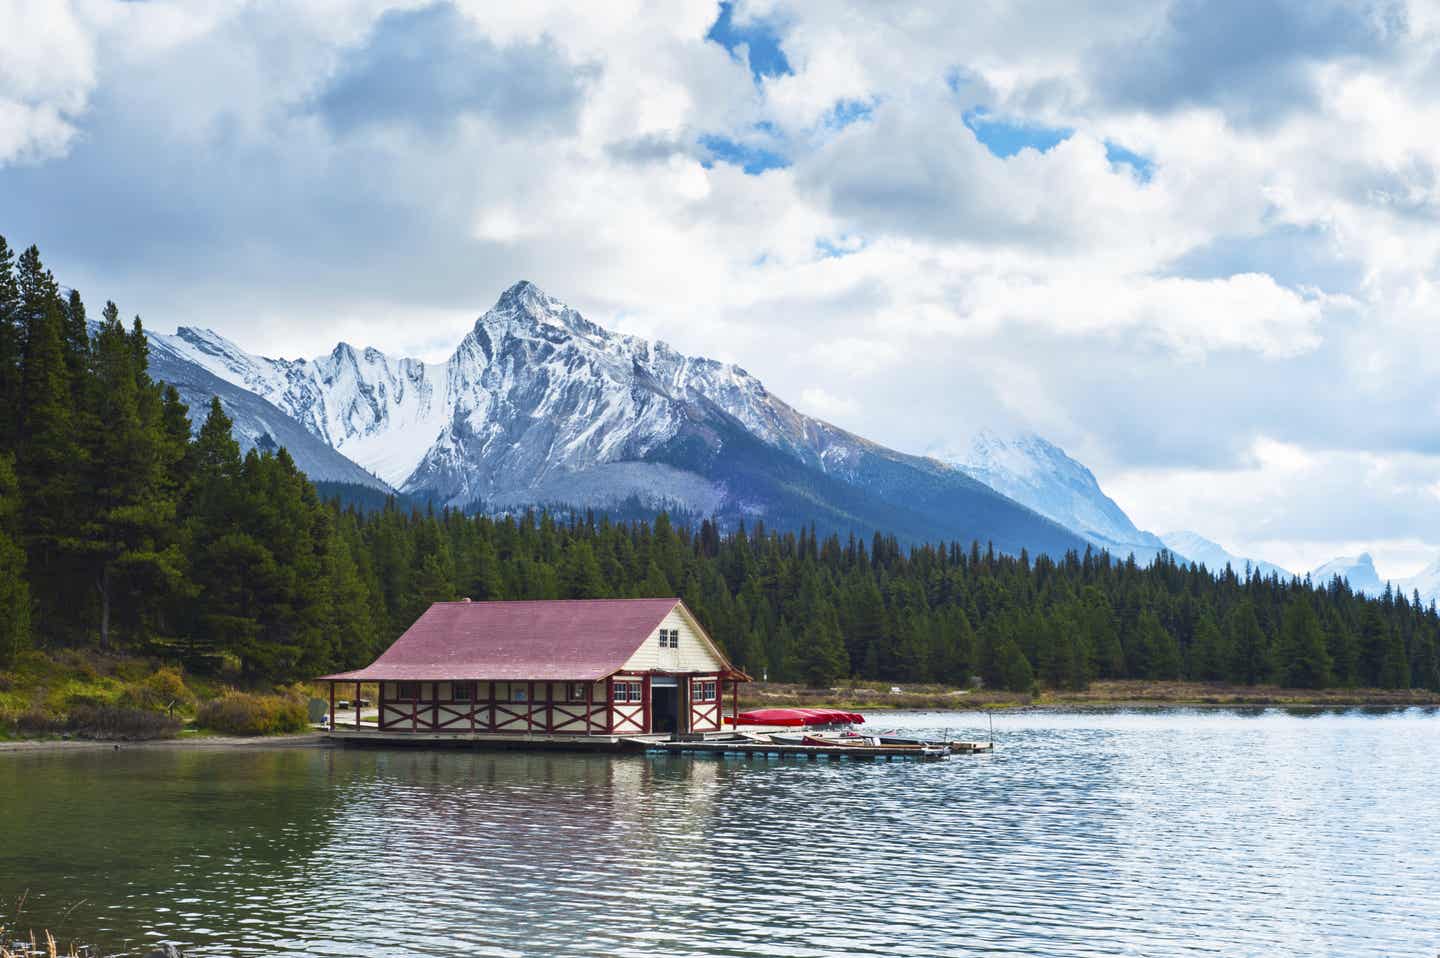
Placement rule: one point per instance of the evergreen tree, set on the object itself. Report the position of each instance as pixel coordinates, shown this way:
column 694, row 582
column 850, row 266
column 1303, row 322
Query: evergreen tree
column 1013, row 670
column 580, row 576
column 1249, row 645
column 14, row 591
column 11, row 337
column 1304, row 663
column 822, row 651
column 1210, row 653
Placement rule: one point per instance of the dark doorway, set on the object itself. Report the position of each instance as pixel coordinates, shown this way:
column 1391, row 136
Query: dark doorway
column 665, row 708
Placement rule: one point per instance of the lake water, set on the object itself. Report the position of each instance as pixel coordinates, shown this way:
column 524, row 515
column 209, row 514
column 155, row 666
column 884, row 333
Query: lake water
column 1128, row 833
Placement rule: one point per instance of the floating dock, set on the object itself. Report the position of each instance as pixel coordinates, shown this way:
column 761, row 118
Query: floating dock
column 751, row 746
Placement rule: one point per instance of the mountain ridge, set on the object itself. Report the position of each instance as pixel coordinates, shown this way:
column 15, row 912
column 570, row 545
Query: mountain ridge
column 538, row 404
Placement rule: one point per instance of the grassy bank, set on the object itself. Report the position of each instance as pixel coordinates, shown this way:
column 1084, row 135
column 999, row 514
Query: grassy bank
column 87, row 694
column 873, row 696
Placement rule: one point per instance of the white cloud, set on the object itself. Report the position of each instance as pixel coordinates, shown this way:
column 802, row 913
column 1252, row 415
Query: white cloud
column 897, row 277
column 47, row 71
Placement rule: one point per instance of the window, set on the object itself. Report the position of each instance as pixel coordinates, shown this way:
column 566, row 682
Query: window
column 627, row 692
column 669, row 638
column 703, row 691
column 461, row 691
column 407, row 691
column 575, row 692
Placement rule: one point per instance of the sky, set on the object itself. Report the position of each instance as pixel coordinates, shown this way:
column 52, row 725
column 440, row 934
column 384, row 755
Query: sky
column 1197, row 244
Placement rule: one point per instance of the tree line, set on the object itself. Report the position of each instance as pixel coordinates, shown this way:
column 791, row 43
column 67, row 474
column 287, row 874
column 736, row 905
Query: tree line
column 121, row 528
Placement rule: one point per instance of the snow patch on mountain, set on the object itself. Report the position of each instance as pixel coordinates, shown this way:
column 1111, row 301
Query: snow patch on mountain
column 1426, row 582
column 1039, row 474
column 1359, row 571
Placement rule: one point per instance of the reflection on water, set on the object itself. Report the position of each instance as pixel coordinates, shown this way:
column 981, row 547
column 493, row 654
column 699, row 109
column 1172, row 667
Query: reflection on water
column 1154, row 833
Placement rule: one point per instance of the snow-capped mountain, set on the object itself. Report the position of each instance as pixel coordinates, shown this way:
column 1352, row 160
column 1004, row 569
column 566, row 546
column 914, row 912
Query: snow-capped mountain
column 1359, row 571
column 1426, row 582
column 258, row 424
column 1215, row 557
column 1037, row 473
column 537, row 405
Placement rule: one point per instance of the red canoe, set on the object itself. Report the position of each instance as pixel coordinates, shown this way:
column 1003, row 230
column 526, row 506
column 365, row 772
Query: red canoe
column 793, row 717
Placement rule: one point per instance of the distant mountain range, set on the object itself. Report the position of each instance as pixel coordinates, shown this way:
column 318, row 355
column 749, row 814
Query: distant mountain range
column 1038, row 473
column 538, row 406
column 1214, row 557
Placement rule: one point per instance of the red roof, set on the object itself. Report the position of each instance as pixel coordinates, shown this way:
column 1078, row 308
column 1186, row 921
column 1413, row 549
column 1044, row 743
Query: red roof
column 555, row 639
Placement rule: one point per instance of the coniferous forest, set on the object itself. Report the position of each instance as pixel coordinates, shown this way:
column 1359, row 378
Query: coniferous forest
column 124, row 529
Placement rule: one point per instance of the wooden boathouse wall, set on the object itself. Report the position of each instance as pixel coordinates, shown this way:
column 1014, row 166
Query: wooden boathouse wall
column 548, row 638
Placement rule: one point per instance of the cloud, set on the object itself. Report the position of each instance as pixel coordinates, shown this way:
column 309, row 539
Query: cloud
column 47, row 72
column 1158, row 234
column 1256, row 59
column 430, row 67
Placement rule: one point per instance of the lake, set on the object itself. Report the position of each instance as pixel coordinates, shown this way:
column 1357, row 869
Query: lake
column 1176, row 832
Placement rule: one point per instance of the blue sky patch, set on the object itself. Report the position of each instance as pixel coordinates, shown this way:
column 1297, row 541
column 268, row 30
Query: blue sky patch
column 752, row 158
column 845, row 112
column 759, row 37
column 1144, row 167
column 1004, row 138
column 838, row 247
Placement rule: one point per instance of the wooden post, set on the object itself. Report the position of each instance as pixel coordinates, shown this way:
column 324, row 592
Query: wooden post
column 734, row 704
column 589, row 704
column 610, row 705
column 380, row 706
column 332, row 706
column 357, row 706
column 645, row 703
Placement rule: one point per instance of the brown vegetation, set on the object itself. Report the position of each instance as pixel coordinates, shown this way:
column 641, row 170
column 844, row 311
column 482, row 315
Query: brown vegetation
column 248, row 713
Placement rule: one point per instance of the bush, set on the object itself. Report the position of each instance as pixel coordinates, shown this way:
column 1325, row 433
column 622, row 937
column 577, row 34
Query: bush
column 160, row 692
column 117, row 721
column 35, row 722
column 243, row 713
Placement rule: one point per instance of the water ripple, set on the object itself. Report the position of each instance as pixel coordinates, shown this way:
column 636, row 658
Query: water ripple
column 1174, row 833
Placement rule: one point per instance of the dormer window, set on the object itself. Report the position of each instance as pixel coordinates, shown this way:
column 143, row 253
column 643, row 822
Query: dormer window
column 669, row 638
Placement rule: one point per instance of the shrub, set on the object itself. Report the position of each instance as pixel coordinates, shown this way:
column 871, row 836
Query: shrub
column 244, row 713
column 118, row 721
column 159, row 692
column 35, row 722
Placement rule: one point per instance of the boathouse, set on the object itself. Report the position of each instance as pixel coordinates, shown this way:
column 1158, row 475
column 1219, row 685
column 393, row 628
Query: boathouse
column 546, row 670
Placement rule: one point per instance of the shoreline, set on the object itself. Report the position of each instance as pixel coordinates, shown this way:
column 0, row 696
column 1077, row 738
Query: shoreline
column 297, row 740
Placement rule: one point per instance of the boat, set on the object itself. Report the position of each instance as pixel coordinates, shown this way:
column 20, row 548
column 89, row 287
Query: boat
column 797, row 717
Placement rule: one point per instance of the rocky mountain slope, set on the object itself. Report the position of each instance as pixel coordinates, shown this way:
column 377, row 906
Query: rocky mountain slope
column 1033, row 471
column 537, row 406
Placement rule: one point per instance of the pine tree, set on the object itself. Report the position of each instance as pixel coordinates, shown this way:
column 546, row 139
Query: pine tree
column 11, row 330
column 822, row 651
column 48, row 455
column 1394, row 665
column 580, row 576
column 1013, row 670
column 14, row 591
column 1249, row 645
column 1301, row 659
column 1210, row 653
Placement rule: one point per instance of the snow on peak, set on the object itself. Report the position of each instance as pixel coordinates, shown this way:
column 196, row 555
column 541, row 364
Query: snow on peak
column 1037, row 473
column 1358, row 571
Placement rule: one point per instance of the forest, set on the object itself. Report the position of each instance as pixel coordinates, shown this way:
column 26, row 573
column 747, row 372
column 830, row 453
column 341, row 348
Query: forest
column 124, row 529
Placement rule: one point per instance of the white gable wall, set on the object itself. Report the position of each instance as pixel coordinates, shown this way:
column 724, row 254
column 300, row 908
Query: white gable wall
column 695, row 653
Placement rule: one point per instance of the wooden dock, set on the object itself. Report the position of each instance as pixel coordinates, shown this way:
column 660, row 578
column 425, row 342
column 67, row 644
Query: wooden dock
column 751, row 749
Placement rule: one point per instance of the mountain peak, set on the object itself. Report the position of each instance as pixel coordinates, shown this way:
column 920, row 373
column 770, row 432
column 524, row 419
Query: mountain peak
column 524, row 307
